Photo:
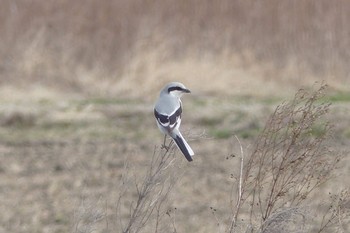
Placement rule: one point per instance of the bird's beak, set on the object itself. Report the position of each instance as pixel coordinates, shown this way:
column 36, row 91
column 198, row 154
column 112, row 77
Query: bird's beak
column 186, row 90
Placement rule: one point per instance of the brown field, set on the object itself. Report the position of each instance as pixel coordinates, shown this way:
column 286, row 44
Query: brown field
column 77, row 84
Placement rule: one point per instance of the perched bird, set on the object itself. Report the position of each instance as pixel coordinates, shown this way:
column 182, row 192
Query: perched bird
column 167, row 111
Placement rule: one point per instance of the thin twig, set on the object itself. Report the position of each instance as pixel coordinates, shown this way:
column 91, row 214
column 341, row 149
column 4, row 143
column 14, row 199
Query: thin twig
column 239, row 199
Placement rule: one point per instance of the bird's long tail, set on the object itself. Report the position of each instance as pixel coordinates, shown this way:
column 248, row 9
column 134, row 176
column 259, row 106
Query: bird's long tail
column 183, row 146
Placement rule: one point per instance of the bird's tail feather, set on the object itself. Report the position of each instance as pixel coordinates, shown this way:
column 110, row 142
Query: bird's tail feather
column 183, row 146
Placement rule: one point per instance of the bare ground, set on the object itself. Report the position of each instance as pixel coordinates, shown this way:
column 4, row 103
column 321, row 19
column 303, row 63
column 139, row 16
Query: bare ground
column 62, row 160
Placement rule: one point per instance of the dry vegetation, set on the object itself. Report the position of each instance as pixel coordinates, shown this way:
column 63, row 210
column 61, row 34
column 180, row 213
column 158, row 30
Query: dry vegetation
column 78, row 78
column 288, row 163
column 106, row 48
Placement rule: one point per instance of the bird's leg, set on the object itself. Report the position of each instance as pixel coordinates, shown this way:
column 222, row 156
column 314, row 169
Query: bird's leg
column 164, row 146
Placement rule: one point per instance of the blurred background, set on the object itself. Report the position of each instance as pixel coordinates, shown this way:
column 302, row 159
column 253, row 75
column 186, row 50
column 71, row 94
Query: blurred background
column 78, row 80
column 131, row 48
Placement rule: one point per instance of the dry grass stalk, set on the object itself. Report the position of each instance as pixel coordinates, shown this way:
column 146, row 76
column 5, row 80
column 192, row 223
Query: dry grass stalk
column 239, row 197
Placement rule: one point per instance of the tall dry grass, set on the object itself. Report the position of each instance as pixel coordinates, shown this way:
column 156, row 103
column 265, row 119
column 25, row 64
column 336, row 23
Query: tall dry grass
column 89, row 46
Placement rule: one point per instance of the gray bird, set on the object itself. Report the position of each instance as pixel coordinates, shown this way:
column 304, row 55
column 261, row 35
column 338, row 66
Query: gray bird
column 167, row 111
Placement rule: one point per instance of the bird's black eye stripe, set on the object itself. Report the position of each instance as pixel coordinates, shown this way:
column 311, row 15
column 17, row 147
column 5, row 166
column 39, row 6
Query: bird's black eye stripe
column 170, row 89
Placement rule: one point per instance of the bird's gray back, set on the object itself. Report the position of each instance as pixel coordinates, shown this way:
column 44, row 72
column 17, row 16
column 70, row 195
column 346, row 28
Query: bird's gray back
column 167, row 104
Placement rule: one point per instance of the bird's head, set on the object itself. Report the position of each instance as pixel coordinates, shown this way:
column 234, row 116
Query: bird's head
column 176, row 89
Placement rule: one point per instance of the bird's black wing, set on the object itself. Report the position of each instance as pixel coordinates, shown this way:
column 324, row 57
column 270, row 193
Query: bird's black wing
column 166, row 120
